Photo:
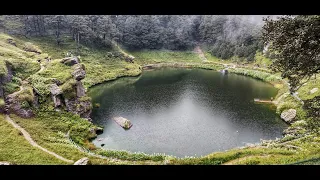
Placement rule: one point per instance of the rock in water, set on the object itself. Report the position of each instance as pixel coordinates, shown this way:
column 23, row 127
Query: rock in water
column 313, row 90
column 82, row 161
column 123, row 122
column 289, row 115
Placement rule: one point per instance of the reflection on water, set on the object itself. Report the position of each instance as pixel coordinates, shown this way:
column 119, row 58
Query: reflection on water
column 185, row 112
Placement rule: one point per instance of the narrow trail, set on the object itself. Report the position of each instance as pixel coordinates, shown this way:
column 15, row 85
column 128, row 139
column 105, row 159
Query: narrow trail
column 41, row 69
column 27, row 136
column 198, row 50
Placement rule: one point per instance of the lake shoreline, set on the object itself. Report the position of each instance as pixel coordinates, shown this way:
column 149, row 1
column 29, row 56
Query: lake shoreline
column 209, row 66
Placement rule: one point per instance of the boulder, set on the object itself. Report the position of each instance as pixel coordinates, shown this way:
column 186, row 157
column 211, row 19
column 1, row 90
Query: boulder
column 129, row 58
column 81, row 91
column 12, row 42
column 288, row 115
column 56, row 100
column 224, row 71
column 70, row 61
column 18, row 110
column 83, row 108
column 123, row 122
column 312, row 91
column 82, row 161
column 54, row 89
column 79, row 73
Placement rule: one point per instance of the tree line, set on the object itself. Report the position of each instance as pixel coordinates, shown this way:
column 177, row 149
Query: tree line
column 224, row 36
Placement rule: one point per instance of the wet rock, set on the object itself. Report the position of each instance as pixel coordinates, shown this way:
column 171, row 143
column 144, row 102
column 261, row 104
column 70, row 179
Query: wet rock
column 123, row 122
column 224, row 71
column 79, row 73
column 314, row 90
column 70, row 61
column 289, row 115
column 83, row 161
column 99, row 130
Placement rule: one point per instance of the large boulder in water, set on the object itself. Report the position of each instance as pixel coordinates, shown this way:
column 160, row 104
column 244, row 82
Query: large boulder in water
column 289, row 115
column 123, row 122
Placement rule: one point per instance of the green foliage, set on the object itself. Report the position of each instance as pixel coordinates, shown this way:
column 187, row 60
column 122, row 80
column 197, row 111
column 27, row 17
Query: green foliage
column 28, row 46
column 304, row 90
column 85, row 98
column 125, row 155
column 14, row 148
column 11, row 87
column 58, row 71
column 261, row 60
column 68, row 86
column 26, row 95
column 1, row 102
column 40, row 84
column 3, row 68
column 156, row 56
column 256, row 74
column 295, row 42
column 25, row 104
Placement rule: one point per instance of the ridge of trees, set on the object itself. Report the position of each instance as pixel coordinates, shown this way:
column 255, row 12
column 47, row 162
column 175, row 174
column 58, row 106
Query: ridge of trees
column 224, row 36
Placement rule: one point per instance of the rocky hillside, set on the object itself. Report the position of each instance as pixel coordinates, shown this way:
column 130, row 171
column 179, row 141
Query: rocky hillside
column 30, row 80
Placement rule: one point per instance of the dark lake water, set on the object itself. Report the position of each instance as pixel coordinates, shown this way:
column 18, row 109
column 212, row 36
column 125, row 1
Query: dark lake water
column 185, row 112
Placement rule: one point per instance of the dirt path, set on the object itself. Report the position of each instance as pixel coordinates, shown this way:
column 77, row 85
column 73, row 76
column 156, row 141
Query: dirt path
column 41, row 69
column 198, row 50
column 27, row 136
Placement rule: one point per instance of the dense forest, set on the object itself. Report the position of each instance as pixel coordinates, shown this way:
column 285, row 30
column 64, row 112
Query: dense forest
column 224, row 36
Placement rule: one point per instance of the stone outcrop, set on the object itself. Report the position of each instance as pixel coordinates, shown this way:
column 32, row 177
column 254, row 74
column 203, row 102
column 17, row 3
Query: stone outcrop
column 81, row 91
column 14, row 106
column 75, row 101
column 289, row 115
column 70, row 61
column 82, row 161
column 79, row 73
column 55, row 92
column 5, row 79
column 83, row 108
